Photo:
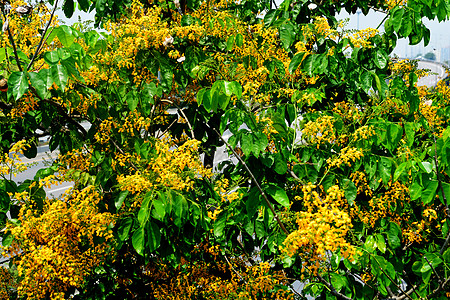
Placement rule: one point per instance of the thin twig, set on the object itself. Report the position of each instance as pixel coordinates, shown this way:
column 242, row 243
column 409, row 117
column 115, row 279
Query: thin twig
column 187, row 121
column 439, row 288
column 256, row 183
column 390, row 279
column 434, row 270
column 13, row 44
column 43, row 38
column 123, row 153
column 234, row 270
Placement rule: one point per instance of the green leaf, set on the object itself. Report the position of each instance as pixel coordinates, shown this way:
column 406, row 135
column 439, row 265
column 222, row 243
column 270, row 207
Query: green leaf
column 153, row 236
column 144, row 210
column 18, row 84
column 380, row 59
column 365, row 79
column 120, row 198
column 287, row 35
column 429, row 193
column 385, row 168
column 84, row 5
column 426, row 167
column 253, row 202
column 415, row 191
column 132, row 100
column 37, row 82
column 309, row 63
column 393, row 235
column 239, row 39
column 4, row 201
column 280, row 165
column 149, row 91
column 370, row 244
column 232, row 88
column 181, row 208
column 219, row 224
column 230, row 43
column 64, row 34
column 68, row 8
column 123, row 231
column 350, row 191
column 296, row 61
column 396, row 17
column 400, row 170
column 138, row 240
column 2, row 54
column 381, row 244
column 338, row 281
column 270, row 17
column 59, row 76
column 7, row 240
column 159, row 208
column 279, row 194
column 246, row 141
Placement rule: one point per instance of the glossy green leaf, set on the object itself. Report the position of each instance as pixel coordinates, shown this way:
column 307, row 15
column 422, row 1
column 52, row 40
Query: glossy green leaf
column 350, row 191
column 68, row 8
column 17, row 84
column 296, row 61
column 64, row 33
column 123, row 231
column 59, row 76
column 279, row 194
column 37, row 82
column 239, row 40
column 138, row 240
column 153, row 236
column 380, row 242
column 429, row 193
column 120, row 198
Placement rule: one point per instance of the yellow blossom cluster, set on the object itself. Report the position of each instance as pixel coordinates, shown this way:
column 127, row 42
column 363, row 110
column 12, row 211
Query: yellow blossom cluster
column 27, row 103
column 347, row 111
column 364, row 132
column 206, row 280
column 11, row 163
column 360, row 38
column 430, row 113
column 60, row 245
column 384, row 205
column 135, row 183
column 176, row 168
column 76, row 159
column 360, row 181
column 322, row 227
column 8, row 283
column 320, row 131
column 346, row 156
column 221, row 187
column 26, row 30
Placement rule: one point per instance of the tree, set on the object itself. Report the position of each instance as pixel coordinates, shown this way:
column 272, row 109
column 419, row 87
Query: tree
column 430, row 56
column 337, row 173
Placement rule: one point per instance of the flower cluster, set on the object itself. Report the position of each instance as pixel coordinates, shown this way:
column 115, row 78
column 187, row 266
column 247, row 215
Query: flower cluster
column 61, row 245
column 322, row 227
column 320, row 131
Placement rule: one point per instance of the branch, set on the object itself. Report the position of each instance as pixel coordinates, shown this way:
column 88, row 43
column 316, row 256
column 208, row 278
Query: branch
column 13, row 44
column 332, row 289
column 123, row 153
column 256, row 183
column 438, row 289
column 43, row 38
column 63, row 113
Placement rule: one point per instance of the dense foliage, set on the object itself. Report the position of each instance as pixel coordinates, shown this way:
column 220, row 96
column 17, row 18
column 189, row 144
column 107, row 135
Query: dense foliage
column 337, row 169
